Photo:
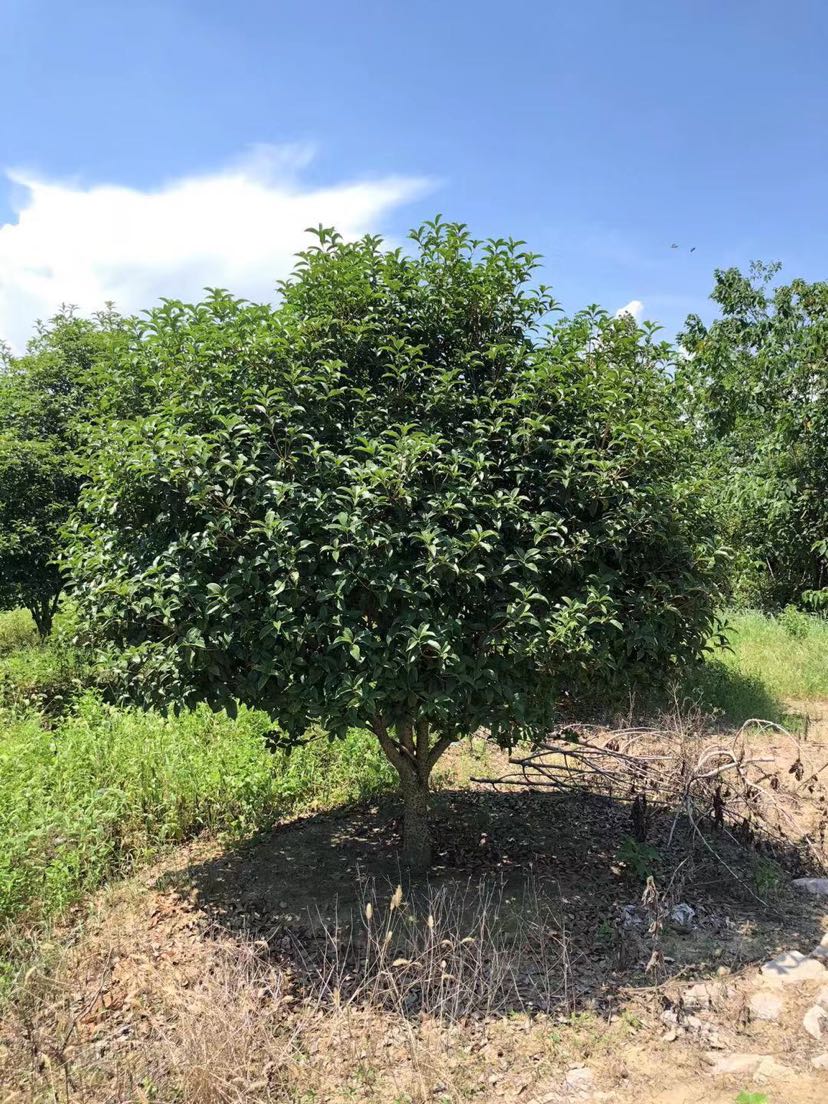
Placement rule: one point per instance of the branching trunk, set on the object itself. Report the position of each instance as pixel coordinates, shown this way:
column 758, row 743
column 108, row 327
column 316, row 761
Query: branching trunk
column 43, row 614
column 413, row 758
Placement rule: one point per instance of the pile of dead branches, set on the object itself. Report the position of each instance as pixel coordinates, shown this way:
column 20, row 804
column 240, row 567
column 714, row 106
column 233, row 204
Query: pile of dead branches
column 762, row 781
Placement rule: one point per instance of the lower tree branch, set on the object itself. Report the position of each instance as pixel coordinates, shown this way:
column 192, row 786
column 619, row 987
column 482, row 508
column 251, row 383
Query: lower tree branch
column 442, row 745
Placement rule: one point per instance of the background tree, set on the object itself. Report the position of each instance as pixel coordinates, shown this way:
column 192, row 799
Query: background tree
column 50, row 401
column 756, row 385
column 400, row 502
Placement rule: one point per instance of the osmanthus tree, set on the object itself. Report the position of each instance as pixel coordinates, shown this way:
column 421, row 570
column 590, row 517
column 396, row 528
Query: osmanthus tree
column 756, row 391
column 49, row 400
column 404, row 500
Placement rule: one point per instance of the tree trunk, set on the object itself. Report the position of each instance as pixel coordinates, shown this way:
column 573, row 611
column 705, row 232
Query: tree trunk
column 413, row 757
column 42, row 616
column 43, row 612
column 416, row 846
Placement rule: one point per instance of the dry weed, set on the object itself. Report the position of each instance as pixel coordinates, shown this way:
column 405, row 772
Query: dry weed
column 455, row 952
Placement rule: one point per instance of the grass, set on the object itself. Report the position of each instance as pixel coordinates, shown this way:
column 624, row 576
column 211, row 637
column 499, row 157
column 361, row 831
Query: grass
column 107, row 788
column 17, row 630
column 768, row 661
column 42, row 675
column 788, row 654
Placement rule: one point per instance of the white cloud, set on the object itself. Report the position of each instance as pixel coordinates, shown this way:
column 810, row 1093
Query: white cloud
column 635, row 308
column 237, row 228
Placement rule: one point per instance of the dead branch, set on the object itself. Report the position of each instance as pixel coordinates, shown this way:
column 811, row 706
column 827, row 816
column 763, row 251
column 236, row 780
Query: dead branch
column 761, row 781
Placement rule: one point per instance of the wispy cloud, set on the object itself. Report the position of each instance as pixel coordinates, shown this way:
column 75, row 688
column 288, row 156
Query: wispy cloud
column 238, row 228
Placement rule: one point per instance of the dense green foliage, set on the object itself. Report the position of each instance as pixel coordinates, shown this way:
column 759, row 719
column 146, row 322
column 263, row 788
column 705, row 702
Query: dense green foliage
column 757, row 391
column 399, row 501
column 107, row 788
column 50, row 400
column 411, row 498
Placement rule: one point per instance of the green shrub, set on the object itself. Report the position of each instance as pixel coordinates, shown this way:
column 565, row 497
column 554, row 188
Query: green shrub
column 756, row 391
column 404, row 500
column 795, row 622
column 642, row 859
column 50, row 398
column 107, row 788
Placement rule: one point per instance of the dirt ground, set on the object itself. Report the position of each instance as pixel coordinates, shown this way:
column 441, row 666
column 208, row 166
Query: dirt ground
column 533, row 966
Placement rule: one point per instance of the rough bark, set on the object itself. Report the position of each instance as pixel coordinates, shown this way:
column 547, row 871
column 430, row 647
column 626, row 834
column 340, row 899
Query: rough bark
column 413, row 759
column 416, row 847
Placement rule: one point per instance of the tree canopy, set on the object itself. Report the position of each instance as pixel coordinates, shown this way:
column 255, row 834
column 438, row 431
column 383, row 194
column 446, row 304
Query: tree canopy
column 49, row 400
column 411, row 498
column 756, row 382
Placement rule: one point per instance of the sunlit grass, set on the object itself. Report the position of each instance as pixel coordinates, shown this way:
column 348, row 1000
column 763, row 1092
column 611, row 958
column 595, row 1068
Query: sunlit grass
column 17, row 630
column 789, row 654
column 104, row 789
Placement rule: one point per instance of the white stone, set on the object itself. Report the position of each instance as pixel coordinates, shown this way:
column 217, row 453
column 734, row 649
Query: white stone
column 792, row 968
column 820, row 1062
column 813, row 1019
column 817, row 886
column 734, row 1063
column 822, row 997
column 703, row 995
column 769, row 1069
column 579, row 1078
column 765, row 1004
column 821, row 950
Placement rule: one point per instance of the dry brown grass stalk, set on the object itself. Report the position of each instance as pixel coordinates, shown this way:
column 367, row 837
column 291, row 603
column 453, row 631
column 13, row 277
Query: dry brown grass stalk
column 455, row 952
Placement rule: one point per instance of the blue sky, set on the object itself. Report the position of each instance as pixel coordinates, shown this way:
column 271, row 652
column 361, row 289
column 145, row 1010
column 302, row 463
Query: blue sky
column 152, row 148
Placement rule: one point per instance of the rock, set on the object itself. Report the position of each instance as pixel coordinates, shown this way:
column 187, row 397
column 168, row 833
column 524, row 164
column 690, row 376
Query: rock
column 580, row 1077
column 817, row 886
column 734, row 1063
column 703, row 995
column 813, row 1019
column 792, row 968
column 821, row 950
column 822, row 997
column 770, row 1070
column 682, row 918
column 632, row 916
column 765, row 1004
column 820, row 1062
